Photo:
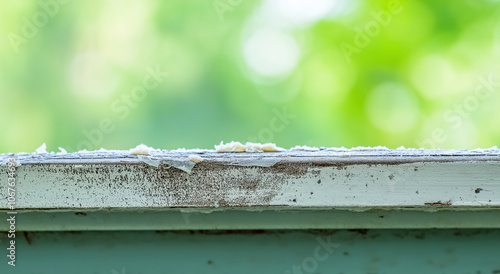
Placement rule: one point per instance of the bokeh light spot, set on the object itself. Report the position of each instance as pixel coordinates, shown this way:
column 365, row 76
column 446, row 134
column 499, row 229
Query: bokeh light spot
column 271, row 52
column 303, row 12
column 392, row 108
column 92, row 76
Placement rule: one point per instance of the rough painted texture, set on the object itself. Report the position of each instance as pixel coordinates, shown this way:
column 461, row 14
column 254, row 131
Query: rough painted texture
column 114, row 190
column 295, row 179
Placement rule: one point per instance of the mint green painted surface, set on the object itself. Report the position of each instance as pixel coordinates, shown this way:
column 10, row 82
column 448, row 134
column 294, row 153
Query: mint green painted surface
column 277, row 218
column 258, row 251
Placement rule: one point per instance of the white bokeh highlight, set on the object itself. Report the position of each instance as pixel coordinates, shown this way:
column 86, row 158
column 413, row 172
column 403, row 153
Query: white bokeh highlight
column 392, row 108
column 271, row 52
column 92, row 76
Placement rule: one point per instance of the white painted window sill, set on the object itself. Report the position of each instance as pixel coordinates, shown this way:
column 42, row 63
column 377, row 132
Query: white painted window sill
column 114, row 190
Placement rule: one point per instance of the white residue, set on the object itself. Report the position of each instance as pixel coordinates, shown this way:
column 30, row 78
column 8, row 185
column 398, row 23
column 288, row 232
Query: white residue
column 370, row 148
column 485, row 150
column 357, row 148
column 184, row 165
column 304, row 148
column 230, row 147
column 42, row 149
column 63, row 151
column 195, row 158
column 344, row 154
column 248, row 147
column 141, row 150
column 337, row 148
column 149, row 160
column 404, row 148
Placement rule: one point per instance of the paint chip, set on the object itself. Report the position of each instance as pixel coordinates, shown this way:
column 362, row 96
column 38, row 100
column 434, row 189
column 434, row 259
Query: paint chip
column 248, row 147
column 195, row 158
column 141, row 150
column 42, row 149
column 304, row 148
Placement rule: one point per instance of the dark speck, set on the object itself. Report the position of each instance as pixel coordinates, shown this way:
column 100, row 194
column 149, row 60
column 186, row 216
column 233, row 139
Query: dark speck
column 294, row 200
column 80, row 213
column 420, row 236
column 391, row 176
column 210, row 262
column 26, row 236
column 319, row 181
column 478, row 190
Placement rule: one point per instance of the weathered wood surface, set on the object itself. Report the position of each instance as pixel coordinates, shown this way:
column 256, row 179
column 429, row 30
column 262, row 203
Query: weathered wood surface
column 351, row 181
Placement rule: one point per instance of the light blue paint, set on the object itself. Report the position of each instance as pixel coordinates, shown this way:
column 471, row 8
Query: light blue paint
column 360, row 251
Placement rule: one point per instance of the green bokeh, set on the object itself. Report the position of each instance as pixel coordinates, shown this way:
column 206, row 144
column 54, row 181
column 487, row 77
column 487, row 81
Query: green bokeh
column 417, row 74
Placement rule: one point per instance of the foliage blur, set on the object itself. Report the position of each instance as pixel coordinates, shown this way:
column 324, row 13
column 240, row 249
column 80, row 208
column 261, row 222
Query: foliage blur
column 185, row 73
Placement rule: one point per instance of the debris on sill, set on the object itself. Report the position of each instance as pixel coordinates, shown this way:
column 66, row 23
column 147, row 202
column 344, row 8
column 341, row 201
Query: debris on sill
column 42, row 149
column 141, row 150
column 439, row 203
column 248, row 147
column 195, row 158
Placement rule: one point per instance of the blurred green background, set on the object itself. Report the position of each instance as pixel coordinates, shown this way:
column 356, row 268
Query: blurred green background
column 169, row 74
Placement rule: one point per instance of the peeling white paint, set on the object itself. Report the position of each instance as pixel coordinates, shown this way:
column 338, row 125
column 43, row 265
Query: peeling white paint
column 195, row 158
column 42, row 149
column 337, row 148
column 141, row 150
column 370, row 148
column 247, row 147
column 390, row 182
column 304, row 148
column 184, row 165
column 155, row 162
column 292, row 179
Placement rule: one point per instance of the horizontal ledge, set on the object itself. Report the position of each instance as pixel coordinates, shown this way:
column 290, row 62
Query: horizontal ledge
column 340, row 155
column 258, row 208
column 461, row 182
column 235, row 219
